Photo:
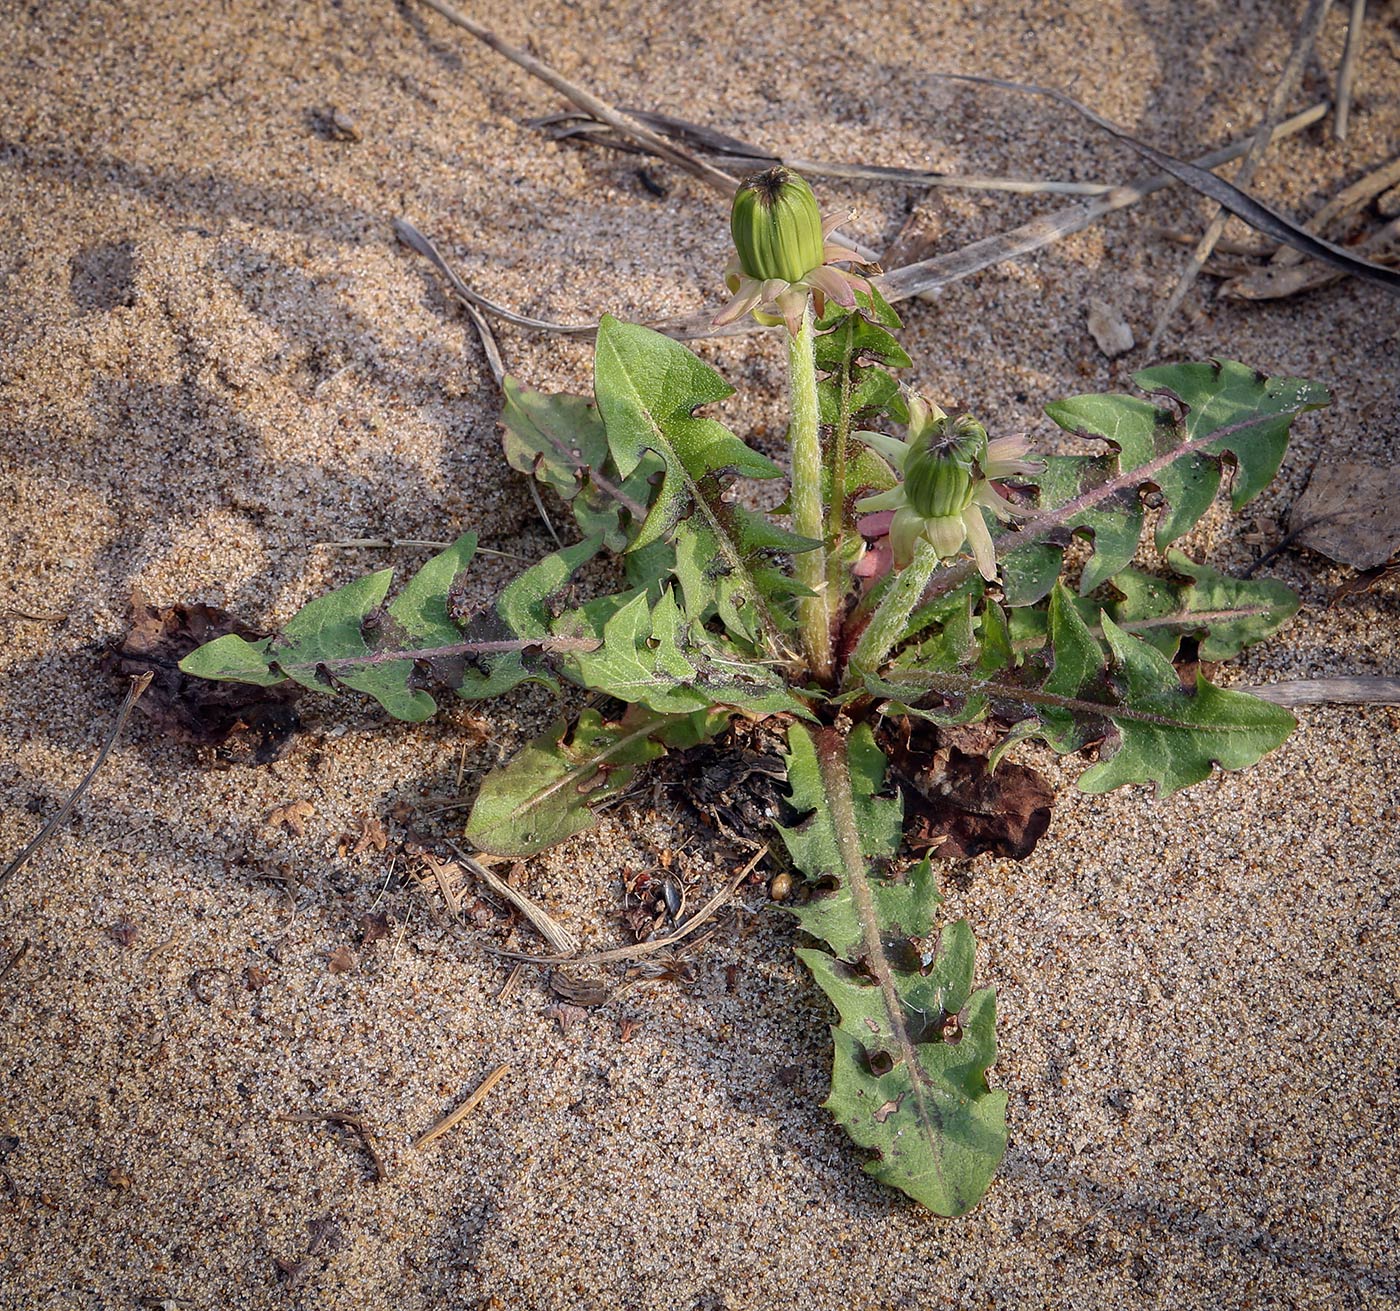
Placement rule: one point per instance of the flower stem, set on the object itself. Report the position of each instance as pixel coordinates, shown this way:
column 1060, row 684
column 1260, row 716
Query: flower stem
column 804, row 440
column 887, row 624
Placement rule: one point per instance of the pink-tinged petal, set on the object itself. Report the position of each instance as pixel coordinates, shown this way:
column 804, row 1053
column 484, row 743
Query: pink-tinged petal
column 1004, row 458
column 791, row 305
column 875, row 526
column 832, row 282
column 905, row 531
column 947, row 533
column 770, row 290
column 833, row 221
column 736, row 309
column 891, row 448
column 893, row 499
column 986, row 494
column 835, row 253
column 981, row 542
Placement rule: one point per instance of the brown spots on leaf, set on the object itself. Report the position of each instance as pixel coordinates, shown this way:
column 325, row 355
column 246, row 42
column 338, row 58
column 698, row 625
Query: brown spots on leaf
column 883, row 1113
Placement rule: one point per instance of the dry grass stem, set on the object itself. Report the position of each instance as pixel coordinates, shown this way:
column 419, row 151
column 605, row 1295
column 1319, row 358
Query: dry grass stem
column 20, row 953
column 1346, row 73
column 1357, row 691
column 454, row 1118
column 721, row 898
column 350, row 1121
column 557, row 937
column 587, row 101
column 138, row 685
column 1283, row 88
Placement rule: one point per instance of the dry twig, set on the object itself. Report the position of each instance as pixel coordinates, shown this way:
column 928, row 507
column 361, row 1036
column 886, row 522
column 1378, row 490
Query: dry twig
column 1357, row 691
column 16, row 956
column 587, row 101
column 356, row 1122
column 730, row 150
column 1346, row 74
column 1283, row 88
column 454, row 1118
column 557, row 937
column 138, row 685
column 657, row 944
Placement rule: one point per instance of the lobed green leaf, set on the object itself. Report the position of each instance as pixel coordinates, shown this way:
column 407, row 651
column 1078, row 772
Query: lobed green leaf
column 1212, row 412
column 1080, row 689
column 914, row 1041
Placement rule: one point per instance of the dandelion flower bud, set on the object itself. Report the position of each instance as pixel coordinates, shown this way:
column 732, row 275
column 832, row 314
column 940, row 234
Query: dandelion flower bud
column 777, row 226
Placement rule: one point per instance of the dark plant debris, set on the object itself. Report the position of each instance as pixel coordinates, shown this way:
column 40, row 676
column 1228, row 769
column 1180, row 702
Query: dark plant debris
column 955, row 806
column 197, row 710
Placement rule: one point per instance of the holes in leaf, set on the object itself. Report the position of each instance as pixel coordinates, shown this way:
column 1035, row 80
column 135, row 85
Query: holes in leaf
column 902, row 954
column 880, row 1062
column 925, row 1026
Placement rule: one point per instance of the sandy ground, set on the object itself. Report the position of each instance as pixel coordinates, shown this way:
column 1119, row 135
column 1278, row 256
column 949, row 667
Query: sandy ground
column 216, row 357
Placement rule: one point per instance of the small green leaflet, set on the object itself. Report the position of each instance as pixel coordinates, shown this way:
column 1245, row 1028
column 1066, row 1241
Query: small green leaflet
column 559, row 439
column 654, row 655
column 1222, row 613
column 1076, row 692
column 914, row 1041
column 648, row 388
column 548, row 792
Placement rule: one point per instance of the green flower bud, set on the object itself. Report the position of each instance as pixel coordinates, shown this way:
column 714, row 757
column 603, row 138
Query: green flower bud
column 942, row 467
column 777, row 226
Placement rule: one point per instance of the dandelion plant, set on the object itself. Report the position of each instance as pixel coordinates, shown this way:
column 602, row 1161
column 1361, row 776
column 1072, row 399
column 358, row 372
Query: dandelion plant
column 915, row 574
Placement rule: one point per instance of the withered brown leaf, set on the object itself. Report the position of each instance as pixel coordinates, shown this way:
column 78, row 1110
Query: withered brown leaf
column 197, row 710
column 955, row 806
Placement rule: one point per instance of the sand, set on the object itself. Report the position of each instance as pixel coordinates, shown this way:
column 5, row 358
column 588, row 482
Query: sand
column 217, row 357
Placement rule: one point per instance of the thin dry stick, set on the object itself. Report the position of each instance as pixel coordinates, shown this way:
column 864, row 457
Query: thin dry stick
column 512, row 983
column 1275, row 281
column 1361, row 192
column 1283, row 88
column 557, row 938
column 1240, row 203
column 930, row 274
column 728, row 150
column 21, row 952
column 411, row 237
column 138, row 685
column 659, row 944
column 1346, row 74
column 586, row 100
column 1363, row 690
column 355, row 1122
column 912, row 280
column 454, row 1118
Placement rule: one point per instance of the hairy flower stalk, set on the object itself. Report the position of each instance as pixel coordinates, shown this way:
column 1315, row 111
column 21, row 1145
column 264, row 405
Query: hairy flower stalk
column 804, row 439
column 782, row 263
